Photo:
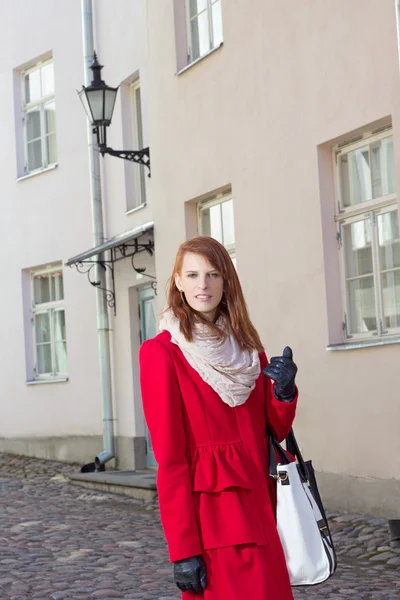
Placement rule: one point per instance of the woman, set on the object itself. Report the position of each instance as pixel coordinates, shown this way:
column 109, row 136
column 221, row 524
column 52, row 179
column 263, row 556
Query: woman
column 207, row 406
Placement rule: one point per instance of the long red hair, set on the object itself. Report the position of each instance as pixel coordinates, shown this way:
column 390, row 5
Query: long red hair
column 233, row 304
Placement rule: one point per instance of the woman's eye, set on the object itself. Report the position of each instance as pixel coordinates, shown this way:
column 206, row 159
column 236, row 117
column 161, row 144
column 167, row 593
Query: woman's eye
column 192, row 275
column 215, row 275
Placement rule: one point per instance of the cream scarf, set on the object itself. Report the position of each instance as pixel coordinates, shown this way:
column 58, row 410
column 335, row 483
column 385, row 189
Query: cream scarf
column 230, row 371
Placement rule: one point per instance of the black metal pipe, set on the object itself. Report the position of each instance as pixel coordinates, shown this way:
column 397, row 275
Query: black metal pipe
column 394, row 531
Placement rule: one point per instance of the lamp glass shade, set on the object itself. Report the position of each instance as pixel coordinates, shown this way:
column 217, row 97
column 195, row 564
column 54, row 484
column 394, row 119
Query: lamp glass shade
column 95, row 99
column 86, row 106
column 110, row 95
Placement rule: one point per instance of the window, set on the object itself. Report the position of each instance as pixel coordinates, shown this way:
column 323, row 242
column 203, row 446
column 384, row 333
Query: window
column 216, row 220
column 39, row 116
column 48, row 322
column 204, row 26
column 368, row 235
column 139, row 177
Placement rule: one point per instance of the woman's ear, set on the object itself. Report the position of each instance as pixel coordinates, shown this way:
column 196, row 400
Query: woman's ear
column 178, row 282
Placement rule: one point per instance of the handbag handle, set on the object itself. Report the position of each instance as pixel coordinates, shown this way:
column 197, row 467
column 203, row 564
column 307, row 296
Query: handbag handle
column 292, row 447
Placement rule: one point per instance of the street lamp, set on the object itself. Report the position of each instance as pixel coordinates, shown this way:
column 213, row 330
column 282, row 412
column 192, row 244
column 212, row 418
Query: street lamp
column 98, row 100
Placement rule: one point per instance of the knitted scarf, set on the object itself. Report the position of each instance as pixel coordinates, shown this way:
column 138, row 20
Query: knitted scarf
column 220, row 362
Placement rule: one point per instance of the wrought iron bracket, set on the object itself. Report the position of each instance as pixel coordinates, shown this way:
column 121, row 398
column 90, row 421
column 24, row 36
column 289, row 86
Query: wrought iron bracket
column 142, row 157
column 126, row 250
column 88, row 267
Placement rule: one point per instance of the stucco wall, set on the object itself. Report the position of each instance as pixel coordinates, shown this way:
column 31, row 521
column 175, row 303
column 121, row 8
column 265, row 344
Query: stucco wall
column 290, row 77
column 47, row 219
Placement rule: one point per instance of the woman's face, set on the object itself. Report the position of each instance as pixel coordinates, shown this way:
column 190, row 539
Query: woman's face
column 202, row 284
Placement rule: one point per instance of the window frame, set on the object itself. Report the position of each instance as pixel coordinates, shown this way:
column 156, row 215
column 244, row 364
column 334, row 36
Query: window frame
column 370, row 209
column 219, row 199
column 189, row 19
column 139, row 176
column 29, row 107
column 49, row 308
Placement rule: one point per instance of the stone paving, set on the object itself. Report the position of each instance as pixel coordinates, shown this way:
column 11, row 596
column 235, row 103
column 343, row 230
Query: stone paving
column 61, row 542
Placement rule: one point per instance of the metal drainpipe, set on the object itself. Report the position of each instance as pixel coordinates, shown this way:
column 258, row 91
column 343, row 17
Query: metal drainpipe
column 103, row 329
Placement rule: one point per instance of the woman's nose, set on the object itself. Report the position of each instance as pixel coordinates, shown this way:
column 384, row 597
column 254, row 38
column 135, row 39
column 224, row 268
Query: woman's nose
column 203, row 283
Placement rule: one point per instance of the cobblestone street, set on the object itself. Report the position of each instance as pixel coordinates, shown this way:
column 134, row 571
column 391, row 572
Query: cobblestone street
column 59, row 542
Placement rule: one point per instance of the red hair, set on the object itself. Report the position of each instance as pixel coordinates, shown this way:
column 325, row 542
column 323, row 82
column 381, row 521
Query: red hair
column 233, row 304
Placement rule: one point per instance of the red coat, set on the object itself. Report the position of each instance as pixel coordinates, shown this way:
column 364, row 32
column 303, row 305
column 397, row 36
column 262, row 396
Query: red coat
column 212, row 478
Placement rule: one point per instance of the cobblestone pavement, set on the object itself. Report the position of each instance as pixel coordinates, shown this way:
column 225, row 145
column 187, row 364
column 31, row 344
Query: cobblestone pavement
column 60, row 542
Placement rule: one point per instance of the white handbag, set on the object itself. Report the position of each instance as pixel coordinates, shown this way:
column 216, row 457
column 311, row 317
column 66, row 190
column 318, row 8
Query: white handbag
column 301, row 520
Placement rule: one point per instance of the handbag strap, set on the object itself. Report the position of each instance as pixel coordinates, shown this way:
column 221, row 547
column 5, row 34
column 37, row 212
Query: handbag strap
column 292, row 447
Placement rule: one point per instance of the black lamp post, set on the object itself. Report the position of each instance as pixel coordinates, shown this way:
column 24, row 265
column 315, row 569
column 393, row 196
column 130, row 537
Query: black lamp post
column 98, row 100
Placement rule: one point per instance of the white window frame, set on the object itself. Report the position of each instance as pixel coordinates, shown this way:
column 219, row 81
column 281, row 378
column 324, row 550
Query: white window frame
column 397, row 10
column 139, row 175
column 219, row 199
column 347, row 215
column 46, row 308
column 28, row 107
column 191, row 58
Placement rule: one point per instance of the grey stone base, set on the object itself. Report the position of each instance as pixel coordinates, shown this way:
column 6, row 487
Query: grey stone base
column 369, row 496
column 130, row 452
column 79, row 449
column 136, row 484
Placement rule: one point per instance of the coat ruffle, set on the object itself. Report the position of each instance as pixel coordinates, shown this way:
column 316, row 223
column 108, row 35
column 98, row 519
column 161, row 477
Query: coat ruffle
column 224, row 496
column 216, row 468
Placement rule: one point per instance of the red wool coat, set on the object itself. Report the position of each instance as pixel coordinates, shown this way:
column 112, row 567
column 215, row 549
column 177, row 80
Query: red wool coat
column 215, row 497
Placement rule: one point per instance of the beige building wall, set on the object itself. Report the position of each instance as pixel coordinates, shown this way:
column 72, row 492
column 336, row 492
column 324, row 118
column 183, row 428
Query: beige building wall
column 46, row 219
column 261, row 114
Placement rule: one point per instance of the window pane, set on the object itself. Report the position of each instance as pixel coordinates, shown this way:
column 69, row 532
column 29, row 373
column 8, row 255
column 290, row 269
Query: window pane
column 44, row 359
column 149, row 318
column 391, row 298
column 32, row 86
column 355, row 176
column 197, row 6
column 35, row 160
column 217, row 23
column 139, row 126
column 41, row 288
column 389, row 240
column 61, row 357
column 57, row 286
column 228, row 223
column 42, row 328
column 383, row 173
column 211, row 222
column 200, row 35
column 59, row 325
column 361, row 299
column 50, row 117
column 33, row 129
column 47, row 79
column 357, row 238
column 51, row 145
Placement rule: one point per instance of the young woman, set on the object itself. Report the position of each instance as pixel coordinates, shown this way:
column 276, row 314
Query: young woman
column 209, row 395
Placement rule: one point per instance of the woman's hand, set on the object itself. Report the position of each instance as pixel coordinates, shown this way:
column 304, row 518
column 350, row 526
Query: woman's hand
column 282, row 370
column 190, row 575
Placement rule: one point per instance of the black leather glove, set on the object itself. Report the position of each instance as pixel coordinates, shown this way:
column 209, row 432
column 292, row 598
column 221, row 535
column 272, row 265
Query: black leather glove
column 190, row 575
column 282, row 370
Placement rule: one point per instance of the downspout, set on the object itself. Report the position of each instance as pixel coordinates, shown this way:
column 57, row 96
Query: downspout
column 103, row 329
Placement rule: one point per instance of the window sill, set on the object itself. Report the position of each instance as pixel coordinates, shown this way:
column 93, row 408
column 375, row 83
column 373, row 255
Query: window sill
column 39, row 172
column 363, row 344
column 193, row 63
column 46, row 381
column 136, row 209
